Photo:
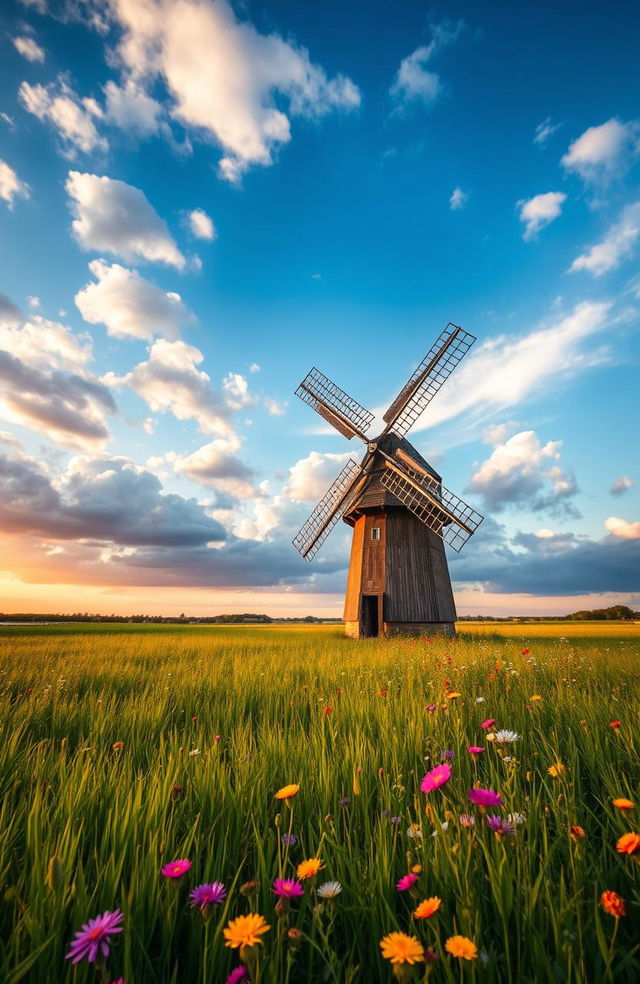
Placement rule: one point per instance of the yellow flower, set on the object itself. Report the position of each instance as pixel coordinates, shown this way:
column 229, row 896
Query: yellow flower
column 401, row 949
column 310, row 868
column 427, row 908
column 623, row 804
column 453, row 694
column 287, row 791
column 462, row 947
column 535, row 697
column 556, row 769
column 245, row 930
column 417, row 868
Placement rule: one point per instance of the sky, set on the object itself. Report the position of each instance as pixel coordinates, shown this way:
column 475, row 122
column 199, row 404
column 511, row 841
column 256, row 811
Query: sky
column 199, row 201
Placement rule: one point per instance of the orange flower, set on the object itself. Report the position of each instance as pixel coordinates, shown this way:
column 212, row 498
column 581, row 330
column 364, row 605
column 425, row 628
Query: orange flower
column 535, row 697
column 427, row 908
column 613, row 904
column 417, row 868
column 287, row 791
column 623, row 804
column 117, row 745
column 576, row 832
column 245, row 931
column 462, row 947
column 310, row 868
column 628, row 844
column 453, row 694
column 556, row 769
column 402, row 949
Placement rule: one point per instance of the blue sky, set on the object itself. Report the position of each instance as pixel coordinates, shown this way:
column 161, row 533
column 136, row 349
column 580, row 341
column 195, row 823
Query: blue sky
column 261, row 188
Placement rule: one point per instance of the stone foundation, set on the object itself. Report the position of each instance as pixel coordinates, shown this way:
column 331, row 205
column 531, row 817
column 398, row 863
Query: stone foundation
column 352, row 629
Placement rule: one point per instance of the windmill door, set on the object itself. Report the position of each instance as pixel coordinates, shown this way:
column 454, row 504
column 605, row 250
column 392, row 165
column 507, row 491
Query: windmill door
column 369, row 623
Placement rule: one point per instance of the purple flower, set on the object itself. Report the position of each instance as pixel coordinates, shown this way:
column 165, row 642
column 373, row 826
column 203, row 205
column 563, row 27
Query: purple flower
column 287, row 888
column 500, row 826
column 237, row 974
column 431, row 708
column 206, row 895
column 395, row 819
column 446, row 755
column 386, row 813
column 344, row 801
column 95, row 936
column 288, row 839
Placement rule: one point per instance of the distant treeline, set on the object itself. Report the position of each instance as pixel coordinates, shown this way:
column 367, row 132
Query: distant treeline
column 617, row 613
column 247, row 618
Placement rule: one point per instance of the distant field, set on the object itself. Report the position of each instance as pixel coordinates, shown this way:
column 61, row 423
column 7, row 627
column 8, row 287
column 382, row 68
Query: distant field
column 86, row 823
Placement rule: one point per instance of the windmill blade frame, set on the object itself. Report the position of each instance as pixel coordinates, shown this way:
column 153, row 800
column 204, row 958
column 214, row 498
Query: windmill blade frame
column 436, row 506
column 344, row 413
column 329, row 510
column 434, row 370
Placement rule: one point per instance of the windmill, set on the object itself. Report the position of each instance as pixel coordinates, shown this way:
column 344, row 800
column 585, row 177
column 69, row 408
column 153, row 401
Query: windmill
column 401, row 513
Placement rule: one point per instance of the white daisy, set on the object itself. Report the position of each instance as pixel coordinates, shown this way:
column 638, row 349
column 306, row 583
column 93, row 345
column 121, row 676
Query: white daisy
column 329, row 890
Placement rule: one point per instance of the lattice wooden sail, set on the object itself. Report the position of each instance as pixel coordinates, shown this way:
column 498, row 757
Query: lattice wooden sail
column 441, row 510
column 337, row 407
column 329, row 510
column 436, row 367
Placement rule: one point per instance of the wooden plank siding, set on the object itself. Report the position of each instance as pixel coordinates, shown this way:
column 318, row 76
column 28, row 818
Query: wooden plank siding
column 418, row 586
column 352, row 597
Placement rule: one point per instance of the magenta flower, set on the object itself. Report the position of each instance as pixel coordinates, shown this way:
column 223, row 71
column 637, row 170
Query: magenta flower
column 431, row 708
column 95, row 936
column 436, row 778
column 475, row 750
column 237, row 974
column 485, row 797
column 206, row 895
column 176, row 869
column 489, row 723
column 287, row 888
column 406, row 882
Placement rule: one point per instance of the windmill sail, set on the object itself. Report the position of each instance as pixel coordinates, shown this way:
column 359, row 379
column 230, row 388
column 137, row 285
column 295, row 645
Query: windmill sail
column 329, row 510
column 337, row 407
column 436, row 367
column 443, row 512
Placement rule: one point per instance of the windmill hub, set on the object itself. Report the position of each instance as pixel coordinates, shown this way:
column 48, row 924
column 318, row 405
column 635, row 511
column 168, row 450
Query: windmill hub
column 400, row 511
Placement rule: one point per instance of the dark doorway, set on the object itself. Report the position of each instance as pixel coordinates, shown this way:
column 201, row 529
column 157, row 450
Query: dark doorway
column 369, row 616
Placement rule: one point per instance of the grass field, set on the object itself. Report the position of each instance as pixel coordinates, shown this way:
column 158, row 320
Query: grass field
column 124, row 748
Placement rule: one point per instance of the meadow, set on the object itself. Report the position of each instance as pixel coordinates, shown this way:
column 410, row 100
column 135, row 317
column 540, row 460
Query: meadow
column 125, row 749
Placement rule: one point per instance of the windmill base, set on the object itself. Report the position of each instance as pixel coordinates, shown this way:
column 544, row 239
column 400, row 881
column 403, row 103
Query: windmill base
column 355, row 630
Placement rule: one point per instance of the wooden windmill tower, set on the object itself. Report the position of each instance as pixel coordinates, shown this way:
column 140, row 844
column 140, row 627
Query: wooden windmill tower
column 396, row 503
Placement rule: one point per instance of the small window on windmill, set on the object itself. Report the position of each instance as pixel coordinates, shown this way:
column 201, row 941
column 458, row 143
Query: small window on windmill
column 375, row 533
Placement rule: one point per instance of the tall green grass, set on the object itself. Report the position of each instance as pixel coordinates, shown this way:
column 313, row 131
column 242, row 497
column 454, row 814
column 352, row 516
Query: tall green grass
column 112, row 818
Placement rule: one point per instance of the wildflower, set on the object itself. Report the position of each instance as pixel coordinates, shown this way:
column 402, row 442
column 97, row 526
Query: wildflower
column 506, row 737
column 500, row 827
column 194, row 752
column 613, row 904
column 309, row 869
column 485, row 797
column 401, row 949
column 219, row 738
column 294, row 934
column 461, row 947
column 431, row 708
column 237, row 974
column 207, row 895
column 427, row 908
column 382, row 693
column 289, row 840
column 466, row 819
column 479, row 700
column 453, row 695
column 535, row 697
column 416, row 869
column 447, row 755
column 414, row 831
column 94, row 938
column 615, row 724
column 287, row 791
column 443, row 826
column 406, row 882
column 516, row 818
column 436, row 778
column 557, row 769
column 489, row 723
column 628, row 844
column 396, row 820
column 287, row 888
column 344, row 801
column 329, row 890
column 525, row 652
column 176, row 869
column 328, row 710
column 245, row 930
column 623, row 804
column 575, row 832
column 117, row 745
column 249, row 887
column 475, row 750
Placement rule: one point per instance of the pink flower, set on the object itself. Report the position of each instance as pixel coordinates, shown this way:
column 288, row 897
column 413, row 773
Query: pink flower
column 176, row 869
column 95, row 936
column 237, row 974
column 489, row 723
column 287, row 888
column 485, row 797
column 475, row 750
column 406, row 882
column 436, row 778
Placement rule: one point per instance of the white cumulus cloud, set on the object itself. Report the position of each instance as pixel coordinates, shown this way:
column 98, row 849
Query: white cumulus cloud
column 132, row 109
column 201, row 224
column 73, row 118
column 112, row 216
column 310, row 477
column 621, row 485
column 622, row 529
column 414, row 81
column 539, row 211
column 29, row 49
column 458, row 199
column 129, row 305
column 10, row 185
column 618, row 244
column 603, row 152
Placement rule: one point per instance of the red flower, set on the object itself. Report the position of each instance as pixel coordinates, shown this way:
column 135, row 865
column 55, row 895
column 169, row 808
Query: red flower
column 525, row 652
column 615, row 724
column 328, row 710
